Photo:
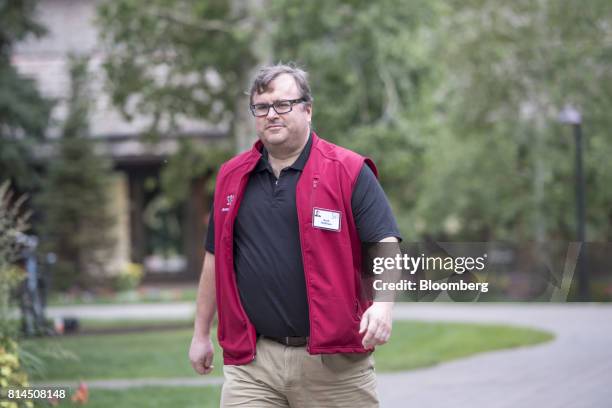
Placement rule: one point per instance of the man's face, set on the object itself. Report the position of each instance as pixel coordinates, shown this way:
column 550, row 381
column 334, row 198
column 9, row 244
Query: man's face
column 289, row 129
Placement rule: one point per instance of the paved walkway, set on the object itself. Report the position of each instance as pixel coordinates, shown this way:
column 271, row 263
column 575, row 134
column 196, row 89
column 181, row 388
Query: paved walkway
column 574, row 370
column 138, row 311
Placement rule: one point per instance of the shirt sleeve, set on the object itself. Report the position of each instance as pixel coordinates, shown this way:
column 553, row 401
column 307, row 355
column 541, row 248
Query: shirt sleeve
column 210, row 233
column 371, row 209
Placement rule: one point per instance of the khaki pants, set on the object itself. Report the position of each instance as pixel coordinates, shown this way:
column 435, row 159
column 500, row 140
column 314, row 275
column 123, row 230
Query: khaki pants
column 282, row 376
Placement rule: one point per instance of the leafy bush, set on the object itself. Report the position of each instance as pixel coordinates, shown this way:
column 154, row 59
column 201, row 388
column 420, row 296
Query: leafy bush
column 12, row 376
column 129, row 278
column 12, row 224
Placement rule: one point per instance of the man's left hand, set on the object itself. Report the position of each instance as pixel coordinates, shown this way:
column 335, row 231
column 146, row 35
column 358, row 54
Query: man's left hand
column 376, row 324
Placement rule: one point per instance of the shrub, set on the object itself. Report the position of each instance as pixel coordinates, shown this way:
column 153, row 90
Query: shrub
column 12, row 224
column 130, row 277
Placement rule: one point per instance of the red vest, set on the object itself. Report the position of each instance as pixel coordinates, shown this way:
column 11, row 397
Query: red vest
column 331, row 257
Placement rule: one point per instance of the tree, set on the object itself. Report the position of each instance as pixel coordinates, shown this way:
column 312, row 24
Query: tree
column 75, row 200
column 371, row 78
column 168, row 61
column 183, row 58
column 455, row 101
column 503, row 158
column 171, row 60
column 24, row 113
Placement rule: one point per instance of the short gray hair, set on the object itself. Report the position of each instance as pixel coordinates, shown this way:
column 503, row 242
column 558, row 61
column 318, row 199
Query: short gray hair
column 268, row 73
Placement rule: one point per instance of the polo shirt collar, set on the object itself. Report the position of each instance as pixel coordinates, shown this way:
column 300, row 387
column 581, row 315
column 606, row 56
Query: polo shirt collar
column 300, row 162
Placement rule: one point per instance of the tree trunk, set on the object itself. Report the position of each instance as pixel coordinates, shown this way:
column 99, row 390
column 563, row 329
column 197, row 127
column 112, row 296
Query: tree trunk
column 261, row 50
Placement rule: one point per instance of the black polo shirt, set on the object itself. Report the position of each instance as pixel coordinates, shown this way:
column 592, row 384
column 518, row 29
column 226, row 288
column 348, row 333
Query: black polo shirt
column 267, row 253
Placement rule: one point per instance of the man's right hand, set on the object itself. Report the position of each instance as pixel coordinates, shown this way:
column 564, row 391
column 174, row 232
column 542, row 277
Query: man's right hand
column 201, row 354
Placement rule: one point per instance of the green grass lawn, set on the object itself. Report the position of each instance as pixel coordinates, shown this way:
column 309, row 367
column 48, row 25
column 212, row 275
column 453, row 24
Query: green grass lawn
column 151, row 397
column 92, row 324
column 141, row 295
column 155, row 354
column 162, row 354
column 421, row 344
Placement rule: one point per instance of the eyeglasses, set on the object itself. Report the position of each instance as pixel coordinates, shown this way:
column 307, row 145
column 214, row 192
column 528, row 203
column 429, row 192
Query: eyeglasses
column 283, row 106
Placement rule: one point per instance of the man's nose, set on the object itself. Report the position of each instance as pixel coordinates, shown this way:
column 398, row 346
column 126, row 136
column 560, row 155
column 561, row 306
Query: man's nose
column 271, row 113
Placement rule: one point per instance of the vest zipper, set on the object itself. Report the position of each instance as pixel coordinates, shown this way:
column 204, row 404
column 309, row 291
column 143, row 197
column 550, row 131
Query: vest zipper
column 315, row 183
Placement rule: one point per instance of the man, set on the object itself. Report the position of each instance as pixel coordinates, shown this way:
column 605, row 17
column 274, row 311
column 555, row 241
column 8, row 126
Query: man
column 283, row 258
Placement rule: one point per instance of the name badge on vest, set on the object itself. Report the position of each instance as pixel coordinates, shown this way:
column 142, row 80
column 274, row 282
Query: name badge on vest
column 326, row 219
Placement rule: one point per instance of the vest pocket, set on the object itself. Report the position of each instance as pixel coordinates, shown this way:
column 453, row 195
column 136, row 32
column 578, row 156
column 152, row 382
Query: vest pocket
column 336, row 323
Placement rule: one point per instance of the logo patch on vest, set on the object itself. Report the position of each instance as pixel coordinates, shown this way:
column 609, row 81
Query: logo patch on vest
column 326, row 219
column 228, row 202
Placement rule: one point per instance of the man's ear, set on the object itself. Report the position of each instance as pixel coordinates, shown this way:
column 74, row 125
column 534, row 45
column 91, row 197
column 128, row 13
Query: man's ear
column 308, row 108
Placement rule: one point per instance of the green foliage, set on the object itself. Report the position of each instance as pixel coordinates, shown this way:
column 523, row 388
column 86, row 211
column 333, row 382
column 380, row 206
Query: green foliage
column 17, row 23
column 23, row 112
column 75, row 202
column 370, row 71
column 457, row 102
column 508, row 70
column 129, row 278
column 173, row 59
column 13, row 222
column 192, row 162
column 367, row 79
column 12, row 376
column 366, row 59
